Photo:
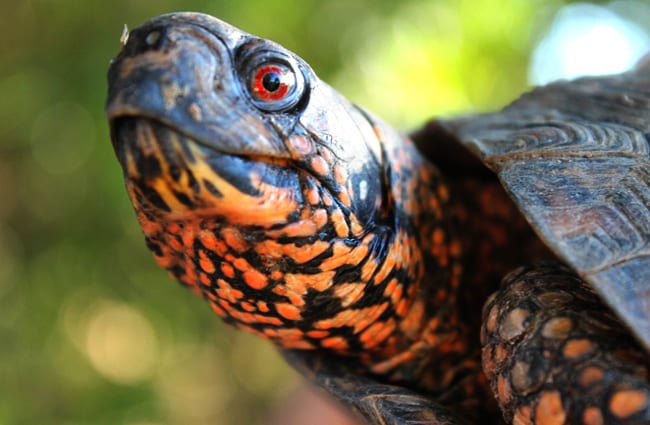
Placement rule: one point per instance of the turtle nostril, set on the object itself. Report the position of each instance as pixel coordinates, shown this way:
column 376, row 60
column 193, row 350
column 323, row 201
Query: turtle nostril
column 155, row 39
column 152, row 38
column 138, row 41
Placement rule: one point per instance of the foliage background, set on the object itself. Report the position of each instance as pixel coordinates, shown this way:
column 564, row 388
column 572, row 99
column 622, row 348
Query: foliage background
column 91, row 331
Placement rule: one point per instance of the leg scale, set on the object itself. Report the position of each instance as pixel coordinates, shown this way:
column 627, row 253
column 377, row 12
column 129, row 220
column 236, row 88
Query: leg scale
column 555, row 354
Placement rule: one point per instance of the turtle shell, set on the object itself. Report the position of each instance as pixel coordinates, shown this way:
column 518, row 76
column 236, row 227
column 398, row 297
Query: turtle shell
column 574, row 157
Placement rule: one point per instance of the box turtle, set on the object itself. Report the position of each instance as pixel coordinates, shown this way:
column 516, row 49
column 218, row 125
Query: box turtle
column 369, row 257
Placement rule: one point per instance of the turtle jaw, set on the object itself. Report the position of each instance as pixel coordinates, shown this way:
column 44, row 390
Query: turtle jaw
column 177, row 178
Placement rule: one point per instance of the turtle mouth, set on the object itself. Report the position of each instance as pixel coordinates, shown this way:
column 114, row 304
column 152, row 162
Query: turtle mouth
column 170, row 173
column 131, row 130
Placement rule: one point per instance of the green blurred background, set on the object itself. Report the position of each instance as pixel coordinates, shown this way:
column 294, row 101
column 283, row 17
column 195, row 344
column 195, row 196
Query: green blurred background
column 91, row 331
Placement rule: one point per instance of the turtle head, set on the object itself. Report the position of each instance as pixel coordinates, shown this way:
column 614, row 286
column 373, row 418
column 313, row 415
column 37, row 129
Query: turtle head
column 208, row 120
column 290, row 209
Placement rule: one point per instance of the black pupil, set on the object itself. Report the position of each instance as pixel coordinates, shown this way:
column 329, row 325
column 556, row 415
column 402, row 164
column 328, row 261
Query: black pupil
column 271, row 81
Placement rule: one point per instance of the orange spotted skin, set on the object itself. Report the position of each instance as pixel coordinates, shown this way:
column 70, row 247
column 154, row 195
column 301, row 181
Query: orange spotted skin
column 319, row 229
column 295, row 265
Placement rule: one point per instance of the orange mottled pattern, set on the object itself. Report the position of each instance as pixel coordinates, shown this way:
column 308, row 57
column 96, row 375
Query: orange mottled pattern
column 277, row 249
column 547, row 309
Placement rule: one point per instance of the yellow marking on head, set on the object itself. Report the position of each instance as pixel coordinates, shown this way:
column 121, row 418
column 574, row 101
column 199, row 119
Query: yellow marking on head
column 273, row 206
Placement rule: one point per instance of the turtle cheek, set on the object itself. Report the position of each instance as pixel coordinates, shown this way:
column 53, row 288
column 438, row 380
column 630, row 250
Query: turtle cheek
column 174, row 177
column 351, row 189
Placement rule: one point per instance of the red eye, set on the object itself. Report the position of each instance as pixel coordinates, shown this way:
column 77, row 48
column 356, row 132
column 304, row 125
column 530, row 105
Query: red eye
column 274, row 81
column 271, row 83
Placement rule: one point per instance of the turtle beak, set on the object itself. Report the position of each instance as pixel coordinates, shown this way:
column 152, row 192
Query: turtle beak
column 176, row 71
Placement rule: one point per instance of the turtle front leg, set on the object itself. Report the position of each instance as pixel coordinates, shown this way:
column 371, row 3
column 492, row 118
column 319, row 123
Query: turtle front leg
column 555, row 354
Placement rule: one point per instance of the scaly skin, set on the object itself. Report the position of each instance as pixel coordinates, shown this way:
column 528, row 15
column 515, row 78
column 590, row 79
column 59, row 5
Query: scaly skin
column 318, row 280
column 554, row 354
column 321, row 228
column 302, row 219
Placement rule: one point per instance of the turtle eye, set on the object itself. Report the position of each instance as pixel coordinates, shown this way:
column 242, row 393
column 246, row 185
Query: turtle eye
column 273, row 81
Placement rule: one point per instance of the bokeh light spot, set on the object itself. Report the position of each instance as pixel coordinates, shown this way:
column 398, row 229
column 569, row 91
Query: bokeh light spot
column 586, row 39
column 259, row 370
column 192, row 386
column 405, row 66
column 121, row 344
